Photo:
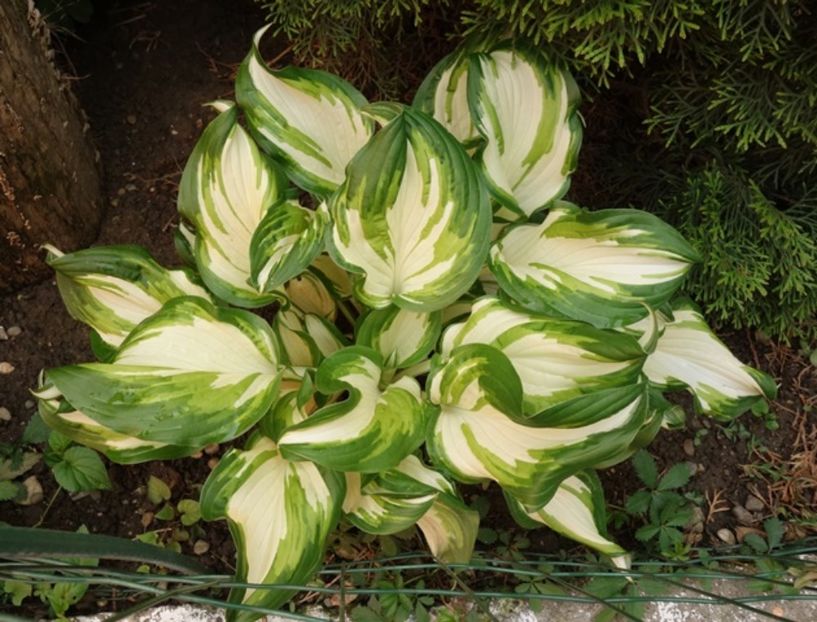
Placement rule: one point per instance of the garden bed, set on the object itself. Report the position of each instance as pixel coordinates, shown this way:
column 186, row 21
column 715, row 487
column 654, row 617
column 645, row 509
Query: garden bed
column 143, row 70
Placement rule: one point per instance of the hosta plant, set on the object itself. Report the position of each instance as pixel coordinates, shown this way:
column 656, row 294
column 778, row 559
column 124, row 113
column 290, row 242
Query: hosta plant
column 439, row 315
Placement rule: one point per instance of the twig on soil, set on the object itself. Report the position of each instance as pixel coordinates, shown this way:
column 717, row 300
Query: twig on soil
column 279, row 56
column 751, row 343
column 214, row 65
column 149, row 37
column 715, row 503
column 169, row 180
column 48, row 507
column 130, row 20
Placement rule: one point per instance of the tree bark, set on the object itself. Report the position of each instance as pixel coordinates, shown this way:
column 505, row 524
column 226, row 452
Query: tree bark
column 50, row 190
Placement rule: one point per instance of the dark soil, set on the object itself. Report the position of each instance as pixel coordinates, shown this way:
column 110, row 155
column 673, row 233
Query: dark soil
column 144, row 71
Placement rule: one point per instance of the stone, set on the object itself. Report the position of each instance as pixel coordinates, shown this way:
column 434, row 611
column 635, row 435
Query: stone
column 3, row 334
column 14, row 331
column 211, row 449
column 29, row 404
column 201, row 547
column 743, row 515
column 697, row 520
column 212, row 463
column 131, row 119
column 689, row 447
column 5, row 414
column 6, row 367
column 34, row 491
column 726, row 536
column 742, row 532
column 753, row 504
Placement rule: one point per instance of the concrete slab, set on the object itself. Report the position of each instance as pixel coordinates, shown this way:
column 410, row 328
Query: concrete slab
column 550, row 611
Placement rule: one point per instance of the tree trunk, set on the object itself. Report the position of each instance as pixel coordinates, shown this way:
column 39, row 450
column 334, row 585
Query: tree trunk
column 50, row 189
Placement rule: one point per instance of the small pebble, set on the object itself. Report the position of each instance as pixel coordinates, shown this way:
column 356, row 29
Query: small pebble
column 201, row 547
column 212, row 463
column 742, row 532
column 147, row 519
column 131, row 119
column 726, row 536
column 29, row 404
column 689, row 447
column 211, row 449
column 753, row 504
column 34, row 491
column 3, row 334
column 743, row 515
column 5, row 414
column 14, row 331
column 197, row 455
column 6, row 367
column 697, row 520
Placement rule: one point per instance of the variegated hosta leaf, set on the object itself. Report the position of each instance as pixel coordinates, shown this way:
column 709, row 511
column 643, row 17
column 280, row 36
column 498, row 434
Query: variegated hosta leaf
column 280, row 514
column 444, row 95
column 598, row 267
column 450, row 529
column 646, row 330
column 113, row 288
column 395, row 499
column 412, row 217
column 184, row 240
column 307, row 119
column 226, row 189
column 295, row 403
column 306, row 339
column 372, row 429
column 310, row 294
column 59, row 415
column 481, row 435
column 377, row 510
column 527, row 112
column 688, row 354
column 412, row 493
column 402, row 337
column 191, row 374
column 334, row 278
column 576, row 511
column 286, row 241
column 555, row 359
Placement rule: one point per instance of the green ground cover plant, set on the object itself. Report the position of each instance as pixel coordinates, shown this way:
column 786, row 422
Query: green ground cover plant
column 438, row 315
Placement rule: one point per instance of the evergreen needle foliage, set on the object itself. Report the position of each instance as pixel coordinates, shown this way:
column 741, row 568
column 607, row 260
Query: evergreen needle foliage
column 705, row 112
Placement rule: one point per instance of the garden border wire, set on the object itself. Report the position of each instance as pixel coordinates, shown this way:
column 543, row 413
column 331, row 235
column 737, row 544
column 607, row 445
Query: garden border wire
column 734, row 565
